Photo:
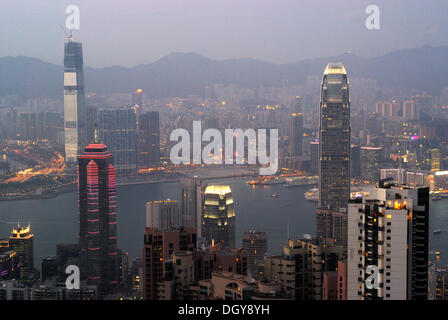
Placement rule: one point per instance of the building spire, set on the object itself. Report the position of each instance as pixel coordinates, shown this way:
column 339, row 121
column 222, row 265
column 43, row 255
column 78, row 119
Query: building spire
column 95, row 134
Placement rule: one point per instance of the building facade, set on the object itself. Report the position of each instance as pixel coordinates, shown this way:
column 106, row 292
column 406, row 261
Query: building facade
column 388, row 233
column 75, row 129
column 98, row 218
column 334, row 139
column 218, row 216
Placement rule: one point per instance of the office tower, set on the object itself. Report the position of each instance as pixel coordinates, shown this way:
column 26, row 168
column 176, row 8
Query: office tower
column 218, row 216
column 21, row 241
column 117, row 129
column 435, row 160
column 158, row 246
column 191, row 204
column 295, row 134
column 314, row 148
column 92, row 123
column 98, row 218
column 300, row 269
column 163, row 214
column 148, row 145
column 332, row 226
column 255, row 243
column 370, row 163
column 334, row 139
column 388, row 230
column 50, row 267
column 137, row 98
column 74, row 102
column 355, row 161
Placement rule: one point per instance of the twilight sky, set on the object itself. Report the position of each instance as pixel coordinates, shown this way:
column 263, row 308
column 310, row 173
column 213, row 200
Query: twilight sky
column 132, row 32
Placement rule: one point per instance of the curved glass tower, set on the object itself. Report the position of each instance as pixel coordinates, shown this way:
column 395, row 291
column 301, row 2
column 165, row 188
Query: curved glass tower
column 334, row 139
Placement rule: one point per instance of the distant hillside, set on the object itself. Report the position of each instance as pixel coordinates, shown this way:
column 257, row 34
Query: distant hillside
column 180, row 74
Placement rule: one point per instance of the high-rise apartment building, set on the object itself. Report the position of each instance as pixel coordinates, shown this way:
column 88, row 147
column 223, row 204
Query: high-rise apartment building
column 255, row 243
column 370, row 163
column 301, row 267
column 388, row 233
column 331, row 226
column 163, row 214
column 74, row 102
column 98, row 218
column 334, row 139
column 218, row 216
column 158, row 246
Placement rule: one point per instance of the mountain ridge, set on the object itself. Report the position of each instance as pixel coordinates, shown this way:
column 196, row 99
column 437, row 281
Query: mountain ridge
column 181, row 74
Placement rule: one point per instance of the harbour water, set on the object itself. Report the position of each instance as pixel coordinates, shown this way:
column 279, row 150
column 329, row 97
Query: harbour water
column 55, row 220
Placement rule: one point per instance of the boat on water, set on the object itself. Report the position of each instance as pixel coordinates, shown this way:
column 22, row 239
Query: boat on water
column 436, row 231
column 436, row 197
column 274, row 195
column 312, row 195
column 300, row 181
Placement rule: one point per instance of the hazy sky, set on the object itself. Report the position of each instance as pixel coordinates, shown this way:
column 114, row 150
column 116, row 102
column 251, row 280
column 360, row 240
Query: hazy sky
column 132, row 32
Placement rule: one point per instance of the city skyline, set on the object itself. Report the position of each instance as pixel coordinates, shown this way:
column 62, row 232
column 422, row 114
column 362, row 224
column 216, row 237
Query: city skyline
column 354, row 210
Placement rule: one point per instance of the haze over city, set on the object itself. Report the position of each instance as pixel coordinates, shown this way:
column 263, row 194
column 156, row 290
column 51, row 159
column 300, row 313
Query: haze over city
column 133, row 32
column 221, row 150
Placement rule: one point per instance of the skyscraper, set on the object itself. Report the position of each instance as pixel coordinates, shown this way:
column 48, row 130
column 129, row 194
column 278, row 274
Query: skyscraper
column 295, row 134
column 21, row 241
column 117, row 129
column 148, row 144
column 334, row 139
column 191, row 203
column 388, row 230
column 218, row 216
column 74, row 102
column 97, row 218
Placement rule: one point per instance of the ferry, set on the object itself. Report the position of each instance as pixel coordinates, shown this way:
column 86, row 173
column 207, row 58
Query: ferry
column 300, row 181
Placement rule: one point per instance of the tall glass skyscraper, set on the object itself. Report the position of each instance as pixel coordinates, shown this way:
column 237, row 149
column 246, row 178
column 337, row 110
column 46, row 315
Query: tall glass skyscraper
column 334, row 139
column 117, row 128
column 97, row 218
column 218, row 216
column 74, row 102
